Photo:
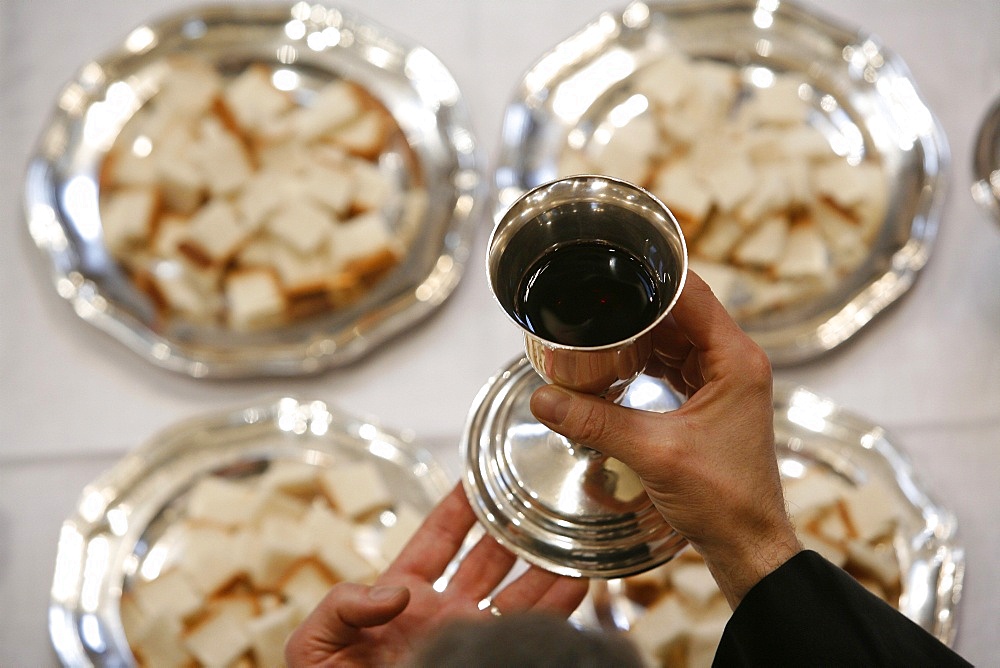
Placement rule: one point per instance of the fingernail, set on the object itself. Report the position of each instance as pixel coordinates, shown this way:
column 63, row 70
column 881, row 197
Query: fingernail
column 383, row 593
column 550, row 404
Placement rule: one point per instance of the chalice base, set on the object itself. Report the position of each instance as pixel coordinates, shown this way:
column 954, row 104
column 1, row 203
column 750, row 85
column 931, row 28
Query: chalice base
column 565, row 508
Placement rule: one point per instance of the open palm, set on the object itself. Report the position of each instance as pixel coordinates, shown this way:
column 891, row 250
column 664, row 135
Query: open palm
column 357, row 625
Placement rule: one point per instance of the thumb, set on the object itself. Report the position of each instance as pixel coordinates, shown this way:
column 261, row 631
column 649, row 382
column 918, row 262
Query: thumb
column 339, row 618
column 602, row 425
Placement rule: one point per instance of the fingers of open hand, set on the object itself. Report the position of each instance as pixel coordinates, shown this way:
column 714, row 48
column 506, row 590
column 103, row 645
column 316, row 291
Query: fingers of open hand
column 438, row 539
column 542, row 590
column 482, row 569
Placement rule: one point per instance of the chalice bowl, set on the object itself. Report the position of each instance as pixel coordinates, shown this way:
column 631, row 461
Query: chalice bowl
column 587, row 267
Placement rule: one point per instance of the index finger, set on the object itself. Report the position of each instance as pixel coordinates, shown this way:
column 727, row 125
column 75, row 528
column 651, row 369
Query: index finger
column 438, row 539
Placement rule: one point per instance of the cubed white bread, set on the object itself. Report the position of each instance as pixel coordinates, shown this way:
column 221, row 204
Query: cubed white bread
column 805, row 254
column 684, row 193
column 872, row 509
column 302, row 274
column 718, row 237
column 373, row 190
column 407, row 520
column 718, row 86
column 134, row 619
column 667, row 79
column 660, row 625
column 334, row 105
column 764, row 245
column 268, row 633
column 831, row 525
column 215, row 233
column 360, row 236
column 364, row 135
column 877, row 561
column 842, row 235
column 182, row 289
column 333, row 540
column 264, row 193
column 765, row 294
column 220, row 501
column 726, row 172
column 253, row 100
column 189, row 87
column 784, row 102
column 178, row 176
column 158, row 643
column 280, row 545
column 301, row 224
column 849, row 185
column 356, row 488
column 287, row 157
column 695, row 583
column 291, row 477
column 253, row 298
column 305, row 585
column 127, row 167
column 269, row 503
column 705, row 635
column 128, row 216
column 221, row 637
column 834, row 553
column 222, row 159
column 628, row 151
column 169, row 232
column 330, row 187
column 211, row 558
column 170, row 593
column 776, row 188
column 808, row 496
column 798, row 141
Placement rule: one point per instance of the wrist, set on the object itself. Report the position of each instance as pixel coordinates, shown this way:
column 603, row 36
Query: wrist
column 737, row 571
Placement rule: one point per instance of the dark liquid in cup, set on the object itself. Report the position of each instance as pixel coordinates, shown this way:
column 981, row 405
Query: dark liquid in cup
column 587, row 294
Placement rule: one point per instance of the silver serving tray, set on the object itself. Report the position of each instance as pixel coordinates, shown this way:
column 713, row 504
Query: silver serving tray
column 986, row 162
column 61, row 195
column 123, row 514
column 878, row 110
column 814, row 436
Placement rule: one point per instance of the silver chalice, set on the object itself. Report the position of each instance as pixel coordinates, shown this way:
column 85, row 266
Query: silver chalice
column 558, row 504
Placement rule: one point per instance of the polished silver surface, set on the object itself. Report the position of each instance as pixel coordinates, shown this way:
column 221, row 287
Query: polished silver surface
column 122, row 518
column 587, row 208
column 815, row 436
column 556, row 505
column 867, row 98
column 318, row 44
column 986, row 162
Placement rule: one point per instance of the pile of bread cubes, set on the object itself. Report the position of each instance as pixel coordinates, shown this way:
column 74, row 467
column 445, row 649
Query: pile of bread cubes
column 683, row 613
column 251, row 557
column 234, row 202
column 776, row 203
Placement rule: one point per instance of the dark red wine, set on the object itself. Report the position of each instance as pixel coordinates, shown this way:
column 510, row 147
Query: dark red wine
column 586, row 294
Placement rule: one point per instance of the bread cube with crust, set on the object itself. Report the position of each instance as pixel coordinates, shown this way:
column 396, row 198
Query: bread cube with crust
column 254, row 298
column 128, row 217
column 214, row 234
column 253, row 101
column 356, row 488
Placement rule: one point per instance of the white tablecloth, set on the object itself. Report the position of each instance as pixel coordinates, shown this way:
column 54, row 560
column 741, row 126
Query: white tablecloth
column 74, row 400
